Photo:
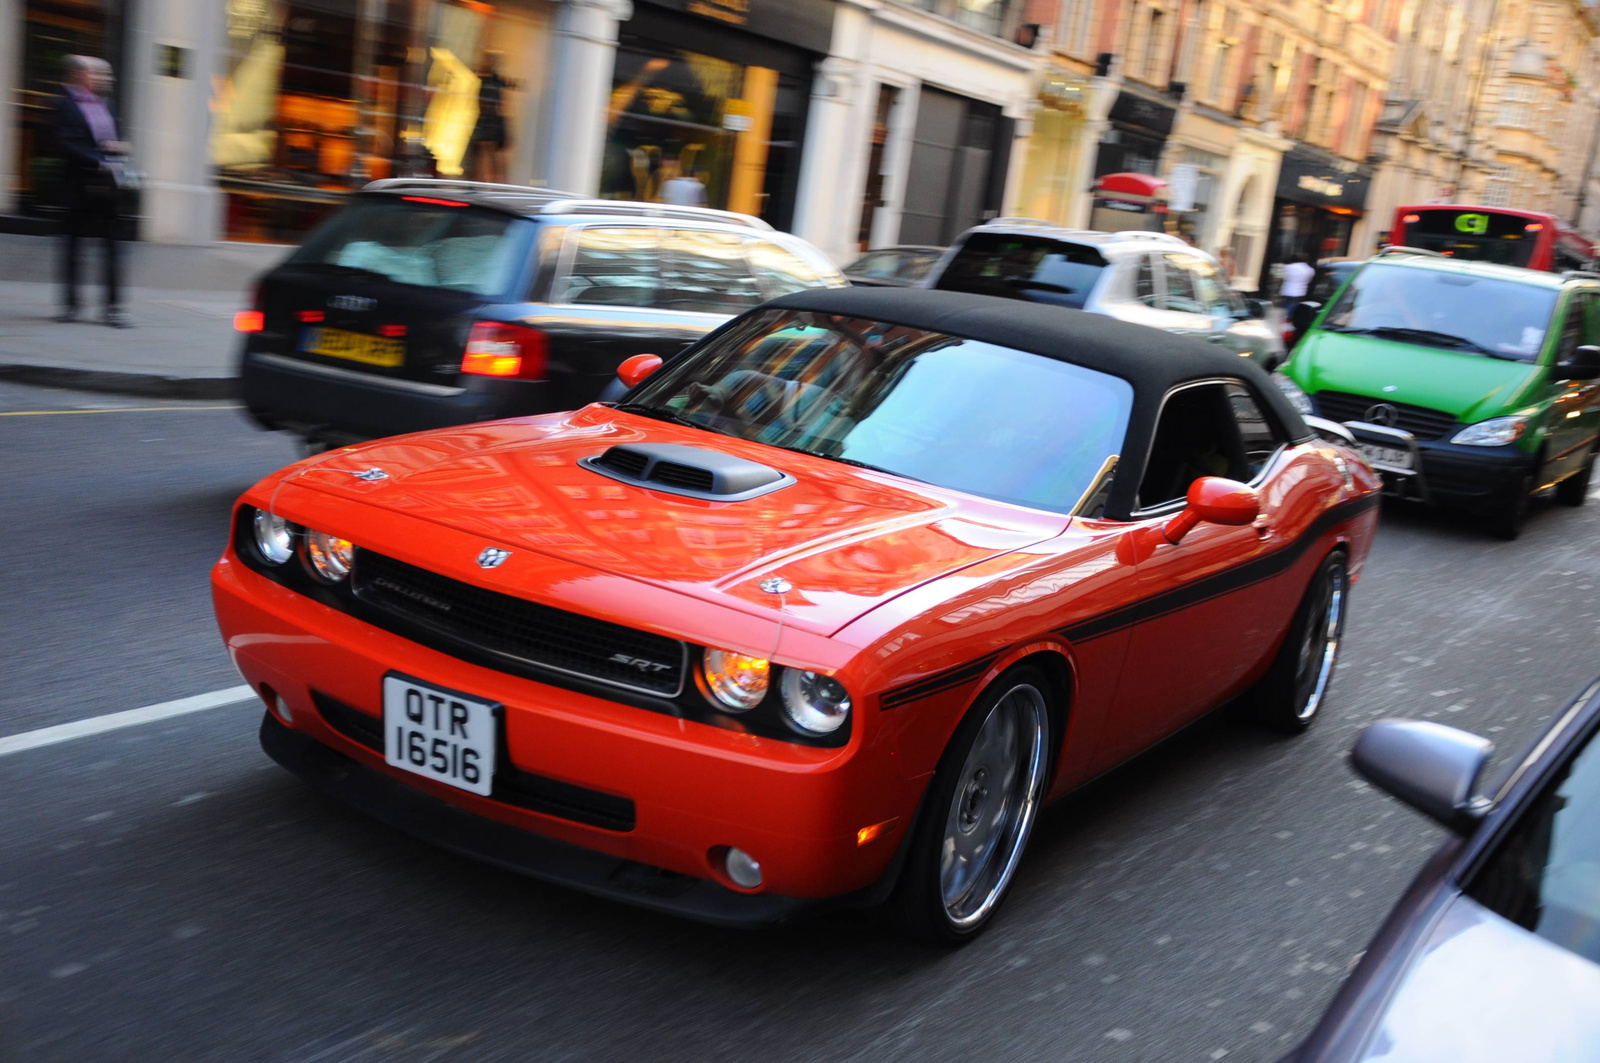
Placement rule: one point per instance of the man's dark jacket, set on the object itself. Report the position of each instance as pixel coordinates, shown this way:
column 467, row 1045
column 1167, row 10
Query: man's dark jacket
column 81, row 156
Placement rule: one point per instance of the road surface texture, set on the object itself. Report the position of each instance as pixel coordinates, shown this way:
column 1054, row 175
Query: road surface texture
column 168, row 893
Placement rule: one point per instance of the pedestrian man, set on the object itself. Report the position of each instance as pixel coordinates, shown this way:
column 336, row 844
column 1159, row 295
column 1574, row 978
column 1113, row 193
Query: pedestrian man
column 92, row 158
column 1296, row 282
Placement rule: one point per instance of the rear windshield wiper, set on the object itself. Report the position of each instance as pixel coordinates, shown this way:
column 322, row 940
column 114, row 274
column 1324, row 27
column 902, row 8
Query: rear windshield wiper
column 1441, row 339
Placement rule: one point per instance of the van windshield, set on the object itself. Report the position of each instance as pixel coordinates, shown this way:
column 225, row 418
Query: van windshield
column 1456, row 311
column 439, row 244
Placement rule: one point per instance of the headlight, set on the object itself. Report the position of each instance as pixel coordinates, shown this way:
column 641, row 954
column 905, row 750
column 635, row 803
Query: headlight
column 1495, row 432
column 816, row 704
column 274, row 537
column 1297, row 398
column 738, row 681
column 330, row 555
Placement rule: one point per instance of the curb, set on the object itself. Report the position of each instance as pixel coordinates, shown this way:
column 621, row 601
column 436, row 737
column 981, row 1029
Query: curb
column 138, row 385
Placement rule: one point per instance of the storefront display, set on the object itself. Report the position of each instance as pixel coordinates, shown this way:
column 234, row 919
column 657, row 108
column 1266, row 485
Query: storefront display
column 1049, row 189
column 317, row 98
column 1319, row 199
column 709, row 102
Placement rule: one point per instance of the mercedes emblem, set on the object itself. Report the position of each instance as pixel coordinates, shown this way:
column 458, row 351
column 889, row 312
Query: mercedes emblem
column 1384, row 414
column 492, row 557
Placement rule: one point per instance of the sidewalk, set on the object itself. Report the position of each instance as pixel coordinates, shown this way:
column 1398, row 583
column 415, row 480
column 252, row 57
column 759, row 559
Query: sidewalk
column 180, row 299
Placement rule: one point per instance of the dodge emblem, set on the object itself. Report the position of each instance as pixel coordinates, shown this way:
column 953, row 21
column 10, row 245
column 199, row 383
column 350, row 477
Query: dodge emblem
column 1384, row 414
column 492, row 557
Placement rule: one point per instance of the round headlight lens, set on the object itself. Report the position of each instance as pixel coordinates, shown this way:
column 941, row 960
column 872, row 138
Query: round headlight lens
column 330, row 555
column 736, row 680
column 816, row 704
column 274, row 537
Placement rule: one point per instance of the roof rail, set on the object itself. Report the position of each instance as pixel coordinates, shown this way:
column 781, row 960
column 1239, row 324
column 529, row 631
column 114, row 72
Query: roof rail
column 447, row 184
column 1145, row 234
column 633, row 208
column 1401, row 249
column 1027, row 223
column 1580, row 275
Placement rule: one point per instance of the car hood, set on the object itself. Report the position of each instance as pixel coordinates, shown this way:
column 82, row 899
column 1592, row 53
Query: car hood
column 1481, row 989
column 845, row 539
column 1467, row 386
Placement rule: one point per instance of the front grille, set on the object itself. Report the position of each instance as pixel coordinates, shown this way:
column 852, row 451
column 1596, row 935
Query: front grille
column 536, row 793
column 686, row 476
column 1418, row 420
column 518, row 631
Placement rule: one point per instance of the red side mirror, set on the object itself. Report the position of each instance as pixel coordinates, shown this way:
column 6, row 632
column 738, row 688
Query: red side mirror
column 633, row 370
column 1215, row 500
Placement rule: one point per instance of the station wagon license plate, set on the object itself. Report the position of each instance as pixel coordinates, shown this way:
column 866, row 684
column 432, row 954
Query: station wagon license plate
column 1385, row 457
column 353, row 346
column 439, row 734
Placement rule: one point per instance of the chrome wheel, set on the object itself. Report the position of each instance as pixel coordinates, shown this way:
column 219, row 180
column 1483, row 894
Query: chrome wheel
column 996, row 799
column 1320, row 644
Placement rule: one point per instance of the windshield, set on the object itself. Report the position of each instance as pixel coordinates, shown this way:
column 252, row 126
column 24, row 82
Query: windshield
column 956, row 412
column 431, row 245
column 1545, row 875
column 1482, row 236
column 1485, row 315
column 1039, row 269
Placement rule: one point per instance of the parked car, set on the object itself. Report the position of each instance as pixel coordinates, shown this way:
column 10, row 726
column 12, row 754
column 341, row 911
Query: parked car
column 820, row 615
column 1465, row 383
column 1494, row 951
column 1325, row 284
column 424, row 303
column 1143, row 278
column 903, row 266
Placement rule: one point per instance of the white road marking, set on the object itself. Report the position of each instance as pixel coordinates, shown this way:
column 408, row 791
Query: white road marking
column 116, row 721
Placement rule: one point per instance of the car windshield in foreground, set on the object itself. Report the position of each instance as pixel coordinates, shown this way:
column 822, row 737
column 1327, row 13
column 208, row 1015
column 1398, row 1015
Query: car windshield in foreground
column 1545, row 875
column 1036, row 268
column 1436, row 308
column 427, row 244
column 959, row 413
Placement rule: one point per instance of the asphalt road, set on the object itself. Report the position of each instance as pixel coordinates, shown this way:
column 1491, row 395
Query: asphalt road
column 168, row 893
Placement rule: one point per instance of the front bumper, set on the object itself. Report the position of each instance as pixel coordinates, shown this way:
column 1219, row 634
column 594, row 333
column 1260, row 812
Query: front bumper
column 694, row 789
column 331, row 402
column 1480, row 479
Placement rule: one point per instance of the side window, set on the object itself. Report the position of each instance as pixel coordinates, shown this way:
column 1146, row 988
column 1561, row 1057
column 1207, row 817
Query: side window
column 1210, row 294
column 1258, row 436
column 1181, row 294
column 1144, row 281
column 1591, row 303
column 1196, row 436
column 781, row 271
column 1574, row 326
column 615, row 265
column 705, row 272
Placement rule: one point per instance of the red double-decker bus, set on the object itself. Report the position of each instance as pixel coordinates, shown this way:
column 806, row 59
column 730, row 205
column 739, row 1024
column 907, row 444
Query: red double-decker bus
column 1493, row 234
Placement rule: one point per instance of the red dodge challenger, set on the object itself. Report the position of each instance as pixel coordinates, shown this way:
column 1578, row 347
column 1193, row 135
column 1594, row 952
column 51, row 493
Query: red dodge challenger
column 823, row 612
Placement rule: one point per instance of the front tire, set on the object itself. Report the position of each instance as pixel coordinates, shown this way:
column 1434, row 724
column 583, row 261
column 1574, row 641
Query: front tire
column 981, row 807
column 1290, row 696
column 1575, row 489
column 1506, row 524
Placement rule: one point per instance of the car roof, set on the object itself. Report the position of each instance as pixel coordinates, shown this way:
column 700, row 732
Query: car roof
column 1439, row 263
column 1152, row 361
column 529, row 201
column 1121, row 241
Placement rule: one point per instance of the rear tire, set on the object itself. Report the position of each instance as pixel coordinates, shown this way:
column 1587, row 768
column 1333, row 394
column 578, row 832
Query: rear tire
column 979, row 812
column 1575, row 489
column 1290, row 696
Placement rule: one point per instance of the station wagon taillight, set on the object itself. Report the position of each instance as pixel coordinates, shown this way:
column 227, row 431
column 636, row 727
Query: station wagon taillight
column 495, row 348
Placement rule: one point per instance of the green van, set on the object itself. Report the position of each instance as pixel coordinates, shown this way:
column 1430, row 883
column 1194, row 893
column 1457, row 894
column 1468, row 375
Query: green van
column 1464, row 383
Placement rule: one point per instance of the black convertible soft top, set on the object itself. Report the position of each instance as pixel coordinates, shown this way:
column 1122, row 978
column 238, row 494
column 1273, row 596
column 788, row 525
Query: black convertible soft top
column 1152, row 361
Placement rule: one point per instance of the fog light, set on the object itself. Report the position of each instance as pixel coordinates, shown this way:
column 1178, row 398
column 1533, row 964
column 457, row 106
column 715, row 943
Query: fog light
column 743, row 869
column 284, row 711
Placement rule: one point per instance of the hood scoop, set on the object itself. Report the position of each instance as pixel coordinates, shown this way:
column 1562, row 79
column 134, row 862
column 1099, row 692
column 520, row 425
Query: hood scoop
column 691, row 471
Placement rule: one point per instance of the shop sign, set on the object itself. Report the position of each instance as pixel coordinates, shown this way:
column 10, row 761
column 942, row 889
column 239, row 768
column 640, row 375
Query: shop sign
column 1321, row 186
column 1319, row 179
column 1182, row 184
column 1138, row 111
column 736, row 116
column 806, row 24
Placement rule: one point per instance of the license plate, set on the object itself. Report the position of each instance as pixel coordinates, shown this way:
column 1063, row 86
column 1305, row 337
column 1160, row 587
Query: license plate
column 439, row 734
column 353, row 346
column 1389, row 457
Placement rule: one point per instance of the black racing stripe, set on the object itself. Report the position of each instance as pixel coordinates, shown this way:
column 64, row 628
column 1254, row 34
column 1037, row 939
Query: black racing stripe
column 1234, row 579
column 1262, row 568
column 936, row 683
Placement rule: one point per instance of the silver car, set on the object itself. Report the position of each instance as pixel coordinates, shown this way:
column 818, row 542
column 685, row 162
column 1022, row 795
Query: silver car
column 1141, row 277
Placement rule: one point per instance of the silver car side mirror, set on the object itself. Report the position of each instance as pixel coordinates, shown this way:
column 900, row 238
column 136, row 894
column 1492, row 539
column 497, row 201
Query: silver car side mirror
column 1431, row 767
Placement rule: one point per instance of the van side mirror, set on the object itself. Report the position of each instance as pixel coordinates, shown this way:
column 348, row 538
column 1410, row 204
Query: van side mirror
column 633, row 371
column 1583, row 365
column 1254, row 308
column 1431, row 767
column 1215, row 500
column 1304, row 313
